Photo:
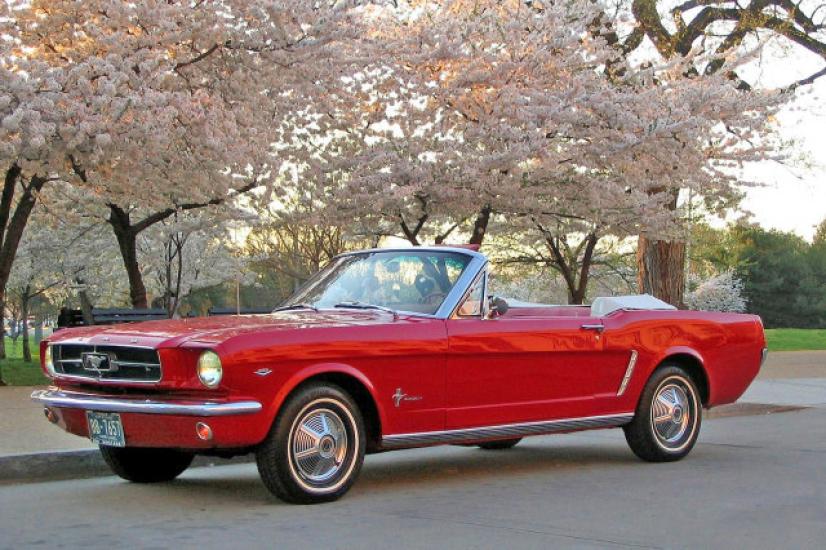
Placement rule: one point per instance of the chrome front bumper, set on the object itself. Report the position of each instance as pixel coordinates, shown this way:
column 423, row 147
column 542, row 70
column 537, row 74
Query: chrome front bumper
column 72, row 400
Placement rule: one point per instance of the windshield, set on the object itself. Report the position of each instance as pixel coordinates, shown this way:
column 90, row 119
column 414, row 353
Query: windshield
column 414, row 281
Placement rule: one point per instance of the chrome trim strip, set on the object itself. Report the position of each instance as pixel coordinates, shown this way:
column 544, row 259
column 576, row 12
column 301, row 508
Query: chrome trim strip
column 465, row 251
column 103, row 381
column 504, row 430
column 454, row 314
column 60, row 399
column 628, row 372
column 73, row 342
column 763, row 356
column 119, row 363
column 462, row 285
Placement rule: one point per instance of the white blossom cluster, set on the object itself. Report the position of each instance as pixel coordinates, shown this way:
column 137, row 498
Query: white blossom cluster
column 723, row 292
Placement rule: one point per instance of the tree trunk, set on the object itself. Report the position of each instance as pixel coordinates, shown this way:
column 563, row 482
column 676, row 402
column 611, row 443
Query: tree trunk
column 2, row 332
column 178, row 278
column 2, row 328
column 167, row 293
column 661, row 264
column 128, row 243
column 24, row 313
column 480, row 226
column 566, row 263
column 12, row 224
column 577, row 295
column 127, row 238
column 85, row 306
column 661, row 270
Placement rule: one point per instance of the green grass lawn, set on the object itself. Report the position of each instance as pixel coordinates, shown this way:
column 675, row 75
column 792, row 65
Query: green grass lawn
column 17, row 372
column 795, row 339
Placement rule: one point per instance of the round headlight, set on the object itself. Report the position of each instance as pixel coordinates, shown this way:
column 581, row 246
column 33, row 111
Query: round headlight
column 48, row 361
column 210, row 370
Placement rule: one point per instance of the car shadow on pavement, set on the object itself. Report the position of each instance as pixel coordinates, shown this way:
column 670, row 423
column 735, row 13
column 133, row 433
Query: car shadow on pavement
column 386, row 472
column 466, row 464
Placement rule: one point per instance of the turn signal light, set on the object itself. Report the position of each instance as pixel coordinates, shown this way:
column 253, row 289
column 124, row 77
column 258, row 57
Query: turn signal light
column 204, row 431
column 50, row 415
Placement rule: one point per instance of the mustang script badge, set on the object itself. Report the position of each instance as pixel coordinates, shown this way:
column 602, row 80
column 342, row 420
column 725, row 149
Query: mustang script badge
column 400, row 396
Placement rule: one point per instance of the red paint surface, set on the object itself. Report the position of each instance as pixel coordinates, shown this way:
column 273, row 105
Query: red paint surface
column 531, row 364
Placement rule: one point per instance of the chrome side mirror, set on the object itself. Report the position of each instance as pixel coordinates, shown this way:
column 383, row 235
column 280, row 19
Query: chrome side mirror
column 498, row 306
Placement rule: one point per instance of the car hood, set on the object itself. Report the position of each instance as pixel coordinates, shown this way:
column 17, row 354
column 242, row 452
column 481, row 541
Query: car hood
column 213, row 330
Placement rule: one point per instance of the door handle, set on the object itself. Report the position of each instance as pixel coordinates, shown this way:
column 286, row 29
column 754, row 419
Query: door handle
column 597, row 327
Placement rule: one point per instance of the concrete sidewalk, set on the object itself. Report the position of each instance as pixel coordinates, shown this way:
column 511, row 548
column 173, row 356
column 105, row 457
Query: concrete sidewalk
column 30, row 446
column 24, row 428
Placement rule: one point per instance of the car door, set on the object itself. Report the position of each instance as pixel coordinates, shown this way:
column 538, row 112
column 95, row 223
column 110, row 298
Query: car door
column 511, row 369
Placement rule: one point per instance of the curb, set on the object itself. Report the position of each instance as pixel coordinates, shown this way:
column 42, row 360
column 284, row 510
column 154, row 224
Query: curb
column 60, row 465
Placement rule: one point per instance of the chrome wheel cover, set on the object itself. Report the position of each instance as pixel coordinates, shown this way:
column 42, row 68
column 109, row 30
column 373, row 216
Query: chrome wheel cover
column 318, row 445
column 672, row 413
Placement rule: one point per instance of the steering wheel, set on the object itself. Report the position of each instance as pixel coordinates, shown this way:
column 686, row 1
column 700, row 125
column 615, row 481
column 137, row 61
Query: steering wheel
column 432, row 297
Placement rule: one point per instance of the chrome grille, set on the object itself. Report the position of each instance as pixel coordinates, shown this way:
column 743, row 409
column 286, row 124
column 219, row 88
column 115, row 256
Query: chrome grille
column 123, row 363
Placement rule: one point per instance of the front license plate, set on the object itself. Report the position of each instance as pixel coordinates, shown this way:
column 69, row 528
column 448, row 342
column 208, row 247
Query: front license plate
column 105, row 429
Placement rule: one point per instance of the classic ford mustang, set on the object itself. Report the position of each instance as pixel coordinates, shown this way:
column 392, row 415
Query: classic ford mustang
column 388, row 349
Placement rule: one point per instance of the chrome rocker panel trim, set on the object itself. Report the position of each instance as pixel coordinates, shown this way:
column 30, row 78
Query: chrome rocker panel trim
column 60, row 399
column 504, row 431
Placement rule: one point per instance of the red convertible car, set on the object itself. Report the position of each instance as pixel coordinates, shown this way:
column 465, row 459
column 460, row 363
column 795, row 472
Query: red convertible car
column 391, row 349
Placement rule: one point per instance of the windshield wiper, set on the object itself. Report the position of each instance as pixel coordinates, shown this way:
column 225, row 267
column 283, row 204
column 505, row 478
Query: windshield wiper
column 362, row 305
column 296, row 306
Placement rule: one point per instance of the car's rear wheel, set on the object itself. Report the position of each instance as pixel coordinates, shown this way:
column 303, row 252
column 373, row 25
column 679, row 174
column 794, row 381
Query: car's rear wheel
column 668, row 417
column 500, row 445
column 146, row 465
column 315, row 448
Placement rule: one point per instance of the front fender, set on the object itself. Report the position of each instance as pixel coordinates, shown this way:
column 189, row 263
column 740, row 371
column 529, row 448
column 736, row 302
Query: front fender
column 311, row 371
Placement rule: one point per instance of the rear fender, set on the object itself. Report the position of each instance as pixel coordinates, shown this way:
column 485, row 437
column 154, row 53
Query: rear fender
column 685, row 351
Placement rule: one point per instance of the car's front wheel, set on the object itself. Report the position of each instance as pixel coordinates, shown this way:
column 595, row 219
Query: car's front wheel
column 315, row 449
column 668, row 417
column 146, row 465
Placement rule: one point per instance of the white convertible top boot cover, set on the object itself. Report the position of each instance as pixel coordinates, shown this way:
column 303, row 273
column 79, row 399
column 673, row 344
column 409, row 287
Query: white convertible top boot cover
column 604, row 305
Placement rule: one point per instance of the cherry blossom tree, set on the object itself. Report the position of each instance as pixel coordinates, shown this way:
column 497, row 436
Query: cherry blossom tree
column 57, row 253
column 656, row 30
column 464, row 100
column 32, row 277
column 516, row 110
column 189, row 252
column 290, row 244
column 158, row 107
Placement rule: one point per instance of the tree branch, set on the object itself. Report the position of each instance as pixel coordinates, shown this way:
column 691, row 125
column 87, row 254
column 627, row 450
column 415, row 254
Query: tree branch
column 163, row 214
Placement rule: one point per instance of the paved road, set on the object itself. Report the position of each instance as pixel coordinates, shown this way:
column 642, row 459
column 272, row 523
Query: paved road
column 752, row 482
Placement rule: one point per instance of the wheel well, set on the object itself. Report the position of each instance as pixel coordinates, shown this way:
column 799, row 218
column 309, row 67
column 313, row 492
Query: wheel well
column 694, row 368
column 361, row 395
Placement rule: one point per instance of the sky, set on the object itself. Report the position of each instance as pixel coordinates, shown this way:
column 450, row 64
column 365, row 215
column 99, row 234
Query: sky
column 793, row 193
